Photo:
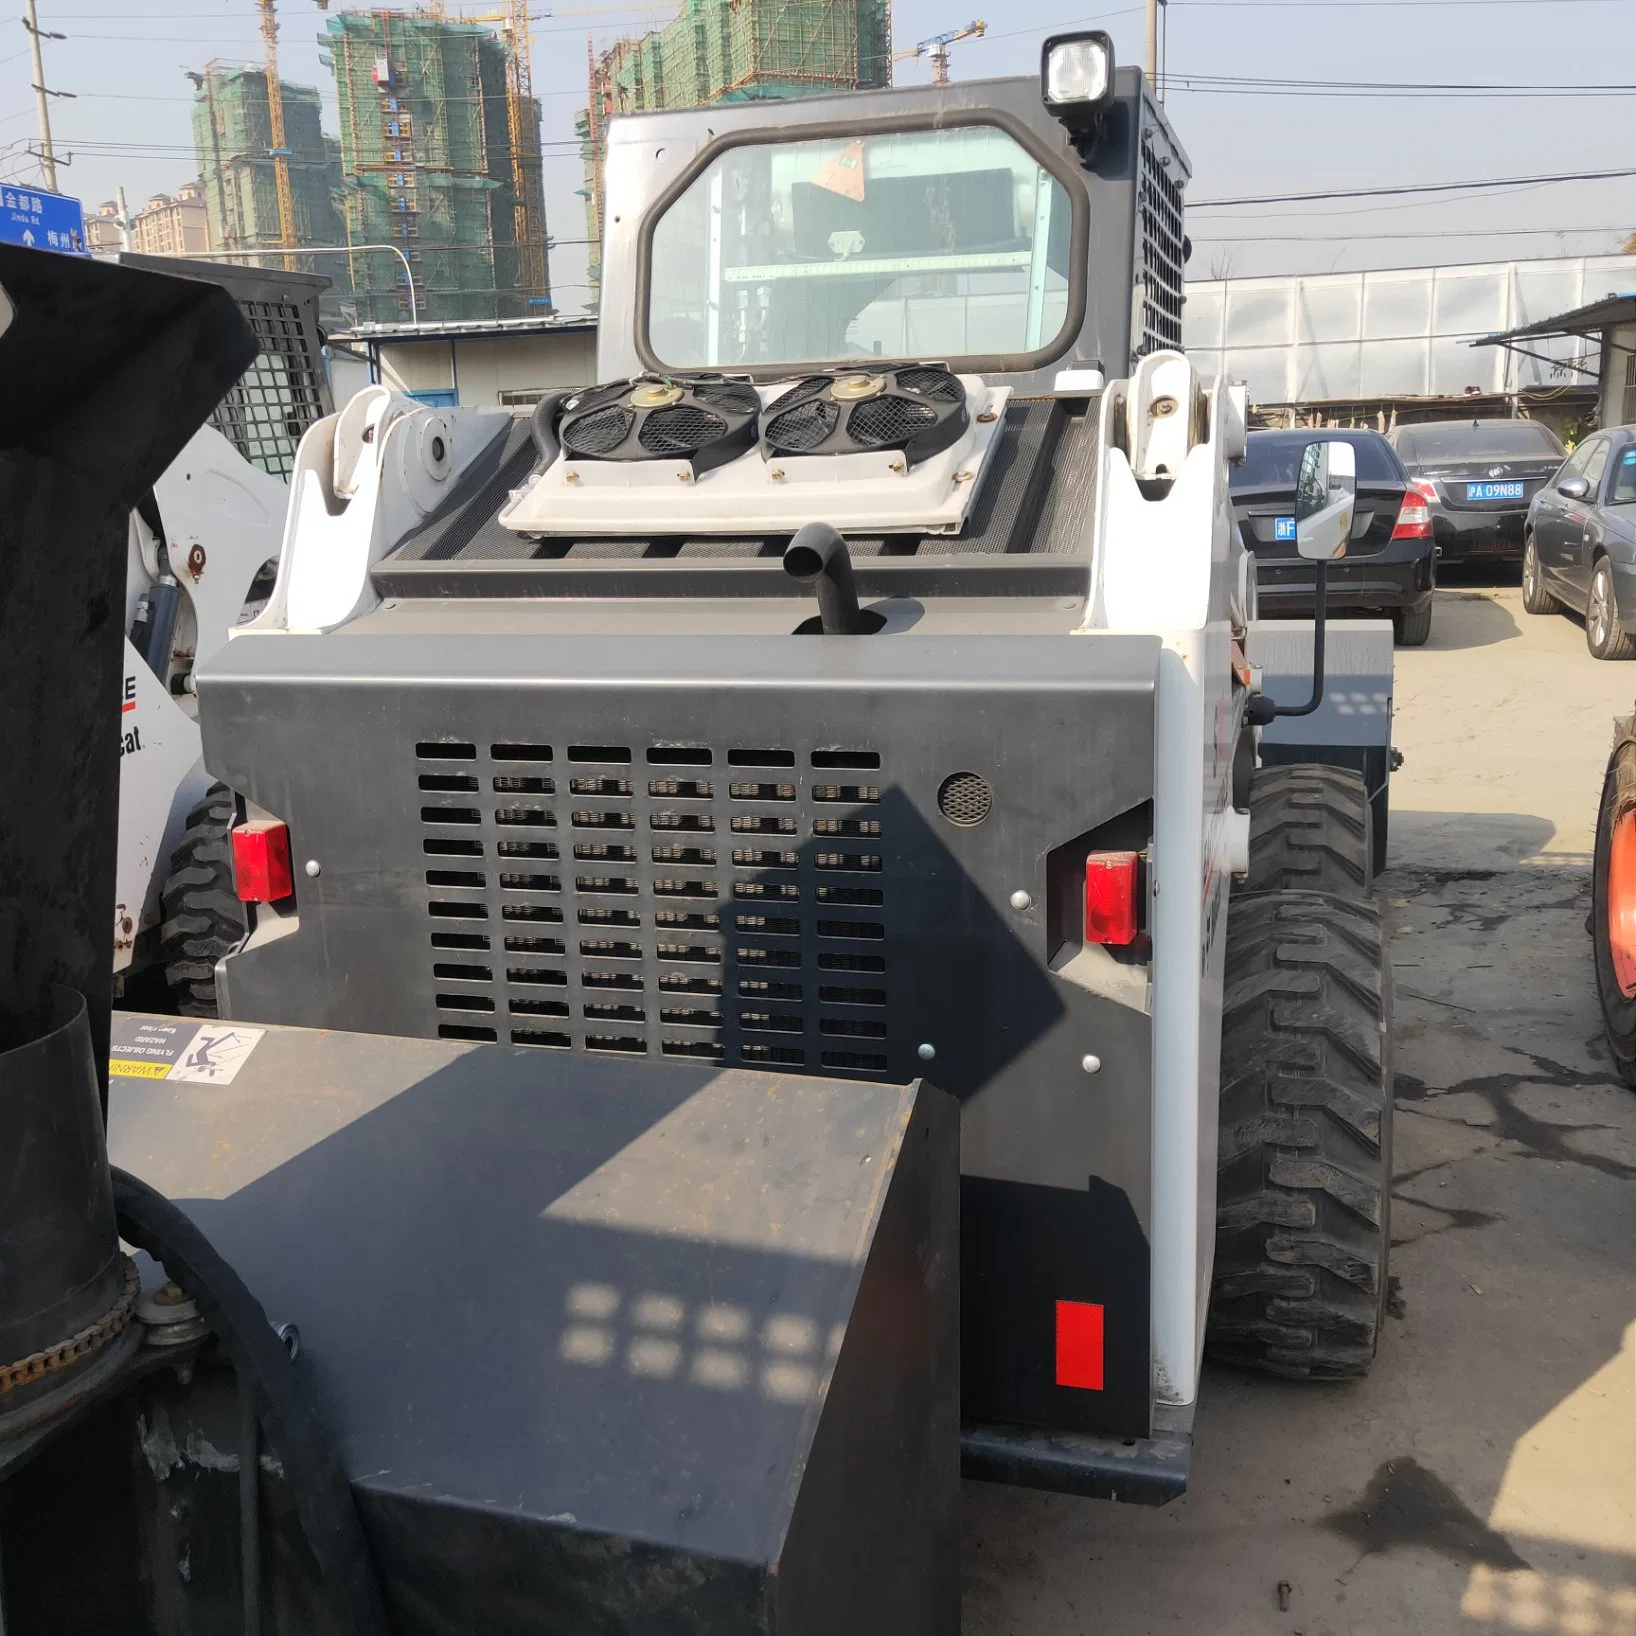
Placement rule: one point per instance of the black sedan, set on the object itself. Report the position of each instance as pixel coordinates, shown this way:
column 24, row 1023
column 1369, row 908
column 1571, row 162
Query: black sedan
column 1579, row 548
column 1479, row 476
column 1387, row 568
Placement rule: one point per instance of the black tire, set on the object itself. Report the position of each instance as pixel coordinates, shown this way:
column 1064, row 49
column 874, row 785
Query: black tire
column 202, row 916
column 1303, row 1195
column 1618, row 1008
column 1310, row 830
column 1535, row 598
column 1412, row 626
column 1604, row 635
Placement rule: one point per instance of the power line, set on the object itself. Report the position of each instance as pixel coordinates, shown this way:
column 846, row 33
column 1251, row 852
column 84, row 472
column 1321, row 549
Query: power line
column 1375, row 5
column 1415, row 187
column 1450, row 233
column 1232, row 85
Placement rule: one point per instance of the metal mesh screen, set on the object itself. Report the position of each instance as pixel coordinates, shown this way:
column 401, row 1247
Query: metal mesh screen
column 1160, row 265
column 280, row 395
column 889, row 420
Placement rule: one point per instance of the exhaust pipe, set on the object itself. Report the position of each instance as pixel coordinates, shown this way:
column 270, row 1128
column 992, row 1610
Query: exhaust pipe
column 818, row 556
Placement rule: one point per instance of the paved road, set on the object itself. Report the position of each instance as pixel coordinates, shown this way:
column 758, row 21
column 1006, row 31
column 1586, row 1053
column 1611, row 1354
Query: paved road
column 1483, row 1481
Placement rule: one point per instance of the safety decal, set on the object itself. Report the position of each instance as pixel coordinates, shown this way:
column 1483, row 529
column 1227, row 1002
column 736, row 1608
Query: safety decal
column 177, row 1049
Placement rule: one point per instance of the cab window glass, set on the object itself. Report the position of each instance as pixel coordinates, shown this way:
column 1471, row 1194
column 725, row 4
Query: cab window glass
column 947, row 244
column 1595, row 466
column 1624, row 480
column 1574, row 466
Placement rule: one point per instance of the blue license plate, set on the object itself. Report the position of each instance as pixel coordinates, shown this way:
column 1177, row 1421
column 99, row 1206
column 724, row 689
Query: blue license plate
column 1283, row 528
column 1493, row 491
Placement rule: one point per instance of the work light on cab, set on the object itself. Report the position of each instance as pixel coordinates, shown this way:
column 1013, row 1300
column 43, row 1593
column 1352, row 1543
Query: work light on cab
column 1076, row 76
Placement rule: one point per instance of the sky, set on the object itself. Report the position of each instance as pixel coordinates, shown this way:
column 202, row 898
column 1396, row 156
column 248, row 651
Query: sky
column 1568, row 69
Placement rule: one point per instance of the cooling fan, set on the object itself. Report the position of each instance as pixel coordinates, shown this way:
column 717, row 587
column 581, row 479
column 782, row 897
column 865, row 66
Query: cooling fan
column 920, row 409
column 705, row 419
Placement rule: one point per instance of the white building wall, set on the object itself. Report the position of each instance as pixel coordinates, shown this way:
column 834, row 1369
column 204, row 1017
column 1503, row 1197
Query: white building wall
column 487, row 371
column 1618, row 404
column 1399, row 333
column 524, row 364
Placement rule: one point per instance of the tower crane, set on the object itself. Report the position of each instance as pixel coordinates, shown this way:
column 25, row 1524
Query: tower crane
column 278, row 150
column 937, row 48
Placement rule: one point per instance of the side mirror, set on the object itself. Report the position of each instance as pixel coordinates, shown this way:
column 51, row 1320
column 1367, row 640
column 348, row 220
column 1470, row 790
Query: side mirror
column 1574, row 488
column 1324, row 492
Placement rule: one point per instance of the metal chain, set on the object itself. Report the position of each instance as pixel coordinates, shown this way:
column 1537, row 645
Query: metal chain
column 83, row 1341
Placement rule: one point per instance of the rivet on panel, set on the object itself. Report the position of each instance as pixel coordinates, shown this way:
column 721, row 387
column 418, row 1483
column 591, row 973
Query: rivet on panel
column 1022, row 900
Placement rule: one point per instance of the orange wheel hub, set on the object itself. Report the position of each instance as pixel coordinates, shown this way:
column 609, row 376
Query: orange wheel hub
column 1622, row 903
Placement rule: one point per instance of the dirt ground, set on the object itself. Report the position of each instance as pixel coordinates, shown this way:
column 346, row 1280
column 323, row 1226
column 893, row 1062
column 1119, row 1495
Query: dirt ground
column 1483, row 1480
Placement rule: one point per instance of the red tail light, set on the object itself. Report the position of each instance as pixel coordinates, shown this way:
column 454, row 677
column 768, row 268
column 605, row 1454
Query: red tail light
column 1112, row 885
column 1414, row 520
column 261, row 861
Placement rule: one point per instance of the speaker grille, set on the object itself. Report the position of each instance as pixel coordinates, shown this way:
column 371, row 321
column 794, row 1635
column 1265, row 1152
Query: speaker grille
column 965, row 799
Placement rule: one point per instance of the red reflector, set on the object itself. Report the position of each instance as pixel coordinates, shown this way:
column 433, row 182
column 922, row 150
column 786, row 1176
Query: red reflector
column 261, row 861
column 1079, row 1345
column 1111, row 884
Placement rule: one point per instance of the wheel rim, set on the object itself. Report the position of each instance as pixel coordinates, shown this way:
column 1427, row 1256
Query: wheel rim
column 1622, row 903
column 1599, row 608
column 1530, row 571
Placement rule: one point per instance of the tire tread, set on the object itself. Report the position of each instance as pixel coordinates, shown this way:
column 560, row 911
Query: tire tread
column 1304, row 1177
column 202, row 917
column 1310, row 831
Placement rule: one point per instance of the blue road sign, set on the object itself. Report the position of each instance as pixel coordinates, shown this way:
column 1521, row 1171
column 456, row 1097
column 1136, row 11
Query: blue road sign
column 41, row 221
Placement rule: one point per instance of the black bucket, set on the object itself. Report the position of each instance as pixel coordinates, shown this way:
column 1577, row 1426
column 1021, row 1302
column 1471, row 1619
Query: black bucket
column 61, row 1270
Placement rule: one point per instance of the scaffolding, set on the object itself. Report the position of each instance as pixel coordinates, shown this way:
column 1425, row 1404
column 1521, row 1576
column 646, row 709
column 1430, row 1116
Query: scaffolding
column 238, row 167
column 440, row 154
column 729, row 51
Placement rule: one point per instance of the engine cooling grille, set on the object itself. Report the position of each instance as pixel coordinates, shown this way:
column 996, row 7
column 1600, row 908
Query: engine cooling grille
column 803, row 427
column 694, row 901
column 680, row 430
column 599, row 432
column 888, row 420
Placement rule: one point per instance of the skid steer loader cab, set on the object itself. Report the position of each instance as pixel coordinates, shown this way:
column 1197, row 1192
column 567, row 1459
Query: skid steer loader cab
column 565, row 754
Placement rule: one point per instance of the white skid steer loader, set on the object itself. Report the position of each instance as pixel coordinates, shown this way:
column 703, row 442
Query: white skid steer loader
column 203, row 547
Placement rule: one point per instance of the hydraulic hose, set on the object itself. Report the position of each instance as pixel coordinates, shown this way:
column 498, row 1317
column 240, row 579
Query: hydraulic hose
column 818, row 557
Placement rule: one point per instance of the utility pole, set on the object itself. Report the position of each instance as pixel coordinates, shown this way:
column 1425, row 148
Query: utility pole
column 48, row 156
column 1153, row 43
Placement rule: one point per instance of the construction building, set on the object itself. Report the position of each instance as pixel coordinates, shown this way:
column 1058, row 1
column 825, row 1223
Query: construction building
column 232, row 139
column 440, row 157
column 730, row 51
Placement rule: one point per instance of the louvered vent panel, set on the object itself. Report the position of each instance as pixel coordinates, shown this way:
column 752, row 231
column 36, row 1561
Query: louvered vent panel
column 724, row 904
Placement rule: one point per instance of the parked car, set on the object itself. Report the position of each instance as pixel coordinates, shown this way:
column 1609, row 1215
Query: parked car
column 1477, row 477
column 1579, row 544
column 1388, row 565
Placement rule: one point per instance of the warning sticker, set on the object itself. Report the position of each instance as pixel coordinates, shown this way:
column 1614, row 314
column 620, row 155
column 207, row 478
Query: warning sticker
column 180, row 1049
column 216, row 1053
column 148, row 1047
